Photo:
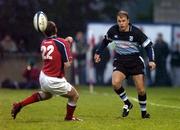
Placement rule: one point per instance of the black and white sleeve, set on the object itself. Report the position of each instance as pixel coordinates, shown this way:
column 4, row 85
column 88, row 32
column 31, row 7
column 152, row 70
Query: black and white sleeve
column 107, row 39
column 147, row 44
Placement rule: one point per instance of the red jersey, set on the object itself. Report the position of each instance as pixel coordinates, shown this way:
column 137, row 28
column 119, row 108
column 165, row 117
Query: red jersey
column 55, row 51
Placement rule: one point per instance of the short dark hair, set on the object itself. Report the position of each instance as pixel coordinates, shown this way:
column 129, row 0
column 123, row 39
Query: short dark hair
column 123, row 13
column 51, row 29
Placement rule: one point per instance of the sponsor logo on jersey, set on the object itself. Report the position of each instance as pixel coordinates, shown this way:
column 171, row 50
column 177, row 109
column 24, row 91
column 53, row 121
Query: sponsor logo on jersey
column 131, row 38
column 115, row 36
column 114, row 68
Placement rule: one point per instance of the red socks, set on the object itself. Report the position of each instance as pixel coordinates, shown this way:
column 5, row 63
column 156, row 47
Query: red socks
column 70, row 112
column 35, row 97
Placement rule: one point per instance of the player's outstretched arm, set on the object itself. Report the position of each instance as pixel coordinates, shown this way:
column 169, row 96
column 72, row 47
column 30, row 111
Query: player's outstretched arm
column 67, row 64
column 150, row 53
column 70, row 40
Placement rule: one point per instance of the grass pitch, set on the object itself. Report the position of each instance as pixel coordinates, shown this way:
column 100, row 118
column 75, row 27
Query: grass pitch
column 100, row 111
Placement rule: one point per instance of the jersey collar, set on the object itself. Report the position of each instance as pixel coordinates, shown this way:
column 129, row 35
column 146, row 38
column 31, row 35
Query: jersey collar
column 130, row 27
column 53, row 36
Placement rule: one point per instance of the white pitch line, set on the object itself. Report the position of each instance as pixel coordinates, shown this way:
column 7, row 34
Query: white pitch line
column 154, row 104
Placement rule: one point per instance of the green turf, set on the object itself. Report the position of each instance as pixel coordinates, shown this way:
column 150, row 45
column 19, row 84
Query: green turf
column 100, row 111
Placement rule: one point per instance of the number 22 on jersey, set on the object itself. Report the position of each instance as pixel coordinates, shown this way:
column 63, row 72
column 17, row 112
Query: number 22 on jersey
column 47, row 51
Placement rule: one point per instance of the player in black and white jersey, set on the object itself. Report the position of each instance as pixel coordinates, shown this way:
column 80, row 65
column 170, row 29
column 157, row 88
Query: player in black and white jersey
column 127, row 60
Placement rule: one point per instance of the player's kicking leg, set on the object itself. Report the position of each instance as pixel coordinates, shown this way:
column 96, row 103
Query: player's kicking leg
column 117, row 78
column 73, row 97
column 127, row 104
column 35, row 97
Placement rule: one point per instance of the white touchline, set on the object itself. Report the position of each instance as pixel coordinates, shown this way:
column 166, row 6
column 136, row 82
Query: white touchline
column 151, row 103
column 154, row 104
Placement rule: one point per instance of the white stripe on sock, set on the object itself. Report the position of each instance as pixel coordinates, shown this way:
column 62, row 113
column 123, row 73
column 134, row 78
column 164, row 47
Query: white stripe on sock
column 142, row 102
column 73, row 104
column 122, row 93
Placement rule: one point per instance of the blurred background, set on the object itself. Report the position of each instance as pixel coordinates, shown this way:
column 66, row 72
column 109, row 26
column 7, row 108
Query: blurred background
column 86, row 21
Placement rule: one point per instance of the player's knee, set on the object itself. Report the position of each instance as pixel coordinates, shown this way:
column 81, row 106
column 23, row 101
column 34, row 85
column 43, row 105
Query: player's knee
column 141, row 92
column 44, row 96
column 76, row 97
column 116, row 83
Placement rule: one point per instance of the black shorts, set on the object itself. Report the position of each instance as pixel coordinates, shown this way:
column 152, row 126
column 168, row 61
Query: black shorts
column 128, row 64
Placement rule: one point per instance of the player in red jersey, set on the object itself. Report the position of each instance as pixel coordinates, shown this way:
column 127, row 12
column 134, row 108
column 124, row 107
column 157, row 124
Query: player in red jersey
column 56, row 56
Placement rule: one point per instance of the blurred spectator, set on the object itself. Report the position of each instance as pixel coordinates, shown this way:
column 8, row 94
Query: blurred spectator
column 1, row 52
column 8, row 83
column 175, row 65
column 31, row 75
column 101, row 66
column 8, row 44
column 90, row 74
column 80, row 56
column 21, row 46
column 161, row 50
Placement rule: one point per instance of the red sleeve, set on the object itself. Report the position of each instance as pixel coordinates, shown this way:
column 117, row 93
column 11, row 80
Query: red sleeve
column 68, row 49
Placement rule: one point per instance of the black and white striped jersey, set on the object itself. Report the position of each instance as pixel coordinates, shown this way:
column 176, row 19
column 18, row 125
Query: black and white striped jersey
column 127, row 42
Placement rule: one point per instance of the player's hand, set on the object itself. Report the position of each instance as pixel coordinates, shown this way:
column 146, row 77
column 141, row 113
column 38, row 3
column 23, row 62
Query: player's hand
column 97, row 58
column 69, row 39
column 152, row 65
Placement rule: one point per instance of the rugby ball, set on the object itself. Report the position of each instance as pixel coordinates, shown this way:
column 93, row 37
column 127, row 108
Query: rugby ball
column 40, row 21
